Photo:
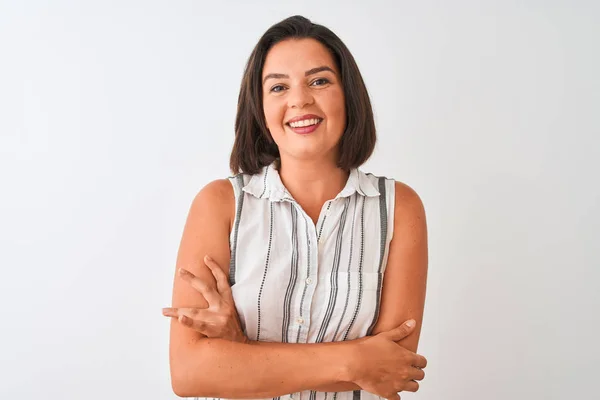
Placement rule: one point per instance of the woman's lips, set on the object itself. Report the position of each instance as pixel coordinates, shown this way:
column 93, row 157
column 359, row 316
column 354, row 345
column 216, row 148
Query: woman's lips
column 303, row 130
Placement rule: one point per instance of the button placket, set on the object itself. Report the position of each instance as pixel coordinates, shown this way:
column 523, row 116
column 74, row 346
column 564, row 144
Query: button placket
column 311, row 268
column 309, row 286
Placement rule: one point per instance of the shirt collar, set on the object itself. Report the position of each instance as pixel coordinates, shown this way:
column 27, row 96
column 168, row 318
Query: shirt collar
column 267, row 184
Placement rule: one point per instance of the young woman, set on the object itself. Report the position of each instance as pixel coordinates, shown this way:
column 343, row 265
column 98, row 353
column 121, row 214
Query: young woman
column 300, row 276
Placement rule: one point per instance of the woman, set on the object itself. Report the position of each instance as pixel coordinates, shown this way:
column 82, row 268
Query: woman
column 315, row 284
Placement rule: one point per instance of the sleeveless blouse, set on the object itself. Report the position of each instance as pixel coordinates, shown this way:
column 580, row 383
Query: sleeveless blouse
column 297, row 282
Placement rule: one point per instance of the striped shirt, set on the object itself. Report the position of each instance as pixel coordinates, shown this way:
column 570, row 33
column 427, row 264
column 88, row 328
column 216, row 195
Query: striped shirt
column 297, row 282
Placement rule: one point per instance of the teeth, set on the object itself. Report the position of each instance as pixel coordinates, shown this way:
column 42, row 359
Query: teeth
column 304, row 122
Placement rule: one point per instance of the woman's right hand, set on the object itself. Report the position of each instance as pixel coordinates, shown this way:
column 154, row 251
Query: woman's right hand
column 384, row 368
column 220, row 319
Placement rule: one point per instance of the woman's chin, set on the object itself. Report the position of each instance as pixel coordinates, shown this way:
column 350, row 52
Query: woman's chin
column 307, row 153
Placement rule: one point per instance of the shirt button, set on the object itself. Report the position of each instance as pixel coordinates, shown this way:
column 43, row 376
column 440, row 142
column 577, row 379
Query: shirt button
column 300, row 320
column 308, row 281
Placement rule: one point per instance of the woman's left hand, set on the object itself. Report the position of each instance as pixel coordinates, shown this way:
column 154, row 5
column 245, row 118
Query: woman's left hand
column 220, row 319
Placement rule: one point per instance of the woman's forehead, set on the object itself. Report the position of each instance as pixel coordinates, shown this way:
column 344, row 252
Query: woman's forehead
column 296, row 56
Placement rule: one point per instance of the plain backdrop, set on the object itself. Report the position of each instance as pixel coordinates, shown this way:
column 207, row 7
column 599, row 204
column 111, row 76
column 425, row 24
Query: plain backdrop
column 114, row 114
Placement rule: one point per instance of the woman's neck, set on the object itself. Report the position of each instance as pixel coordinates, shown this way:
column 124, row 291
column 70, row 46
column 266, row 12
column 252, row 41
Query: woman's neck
column 312, row 183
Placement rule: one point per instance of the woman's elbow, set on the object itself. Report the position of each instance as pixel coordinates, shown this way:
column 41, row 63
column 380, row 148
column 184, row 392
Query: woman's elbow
column 183, row 386
column 179, row 383
column 186, row 382
column 184, row 391
column 179, row 389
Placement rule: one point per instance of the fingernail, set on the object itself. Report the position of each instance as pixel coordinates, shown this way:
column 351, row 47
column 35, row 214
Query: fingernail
column 207, row 258
column 167, row 312
column 410, row 323
column 182, row 271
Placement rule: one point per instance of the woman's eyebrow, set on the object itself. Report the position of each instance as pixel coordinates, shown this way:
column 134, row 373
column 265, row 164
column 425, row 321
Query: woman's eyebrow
column 318, row 69
column 275, row 76
column 311, row 71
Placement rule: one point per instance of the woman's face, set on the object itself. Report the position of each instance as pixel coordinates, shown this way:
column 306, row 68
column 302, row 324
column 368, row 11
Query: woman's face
column 303, row 100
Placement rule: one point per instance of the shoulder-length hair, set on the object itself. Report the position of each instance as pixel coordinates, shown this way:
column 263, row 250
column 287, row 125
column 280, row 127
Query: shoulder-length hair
column 254, row 147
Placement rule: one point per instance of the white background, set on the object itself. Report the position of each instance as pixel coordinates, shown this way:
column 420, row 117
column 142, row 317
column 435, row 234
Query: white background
column 114, row 114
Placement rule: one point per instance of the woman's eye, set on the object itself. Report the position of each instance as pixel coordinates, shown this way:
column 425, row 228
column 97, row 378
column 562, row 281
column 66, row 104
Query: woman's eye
column 320, row 82
column 277, row 88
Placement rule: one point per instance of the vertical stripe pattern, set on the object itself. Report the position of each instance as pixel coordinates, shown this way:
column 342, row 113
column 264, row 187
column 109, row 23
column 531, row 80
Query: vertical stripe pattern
column 384, row 227
column 335, row 334
column 287, row 304
column 265, row 272
column 239, row 182
column 360, row 270
column 334, row 275
column 297, row 281
column 308, row 244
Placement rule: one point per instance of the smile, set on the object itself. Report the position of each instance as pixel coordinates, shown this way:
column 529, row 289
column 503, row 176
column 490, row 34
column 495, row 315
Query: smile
column 305, row 123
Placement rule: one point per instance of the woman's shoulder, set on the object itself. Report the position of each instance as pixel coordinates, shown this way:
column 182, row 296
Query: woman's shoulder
column 402, row 191
column 405, row 193
column 407, row 202
column 215, row 191
column 409, row 211
column 225, row 190
column 216, row 197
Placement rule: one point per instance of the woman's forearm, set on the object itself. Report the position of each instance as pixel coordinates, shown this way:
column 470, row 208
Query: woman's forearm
column 221, row 368
column 332, row 387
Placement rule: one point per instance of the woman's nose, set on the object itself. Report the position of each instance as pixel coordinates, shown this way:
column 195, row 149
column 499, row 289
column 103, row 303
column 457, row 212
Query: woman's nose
column 299, row 97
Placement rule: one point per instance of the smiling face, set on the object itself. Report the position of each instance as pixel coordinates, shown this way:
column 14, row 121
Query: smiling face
column 303, row 100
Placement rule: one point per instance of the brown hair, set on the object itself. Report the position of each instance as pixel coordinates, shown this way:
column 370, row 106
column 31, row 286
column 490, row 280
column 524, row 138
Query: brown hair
column 254, row 147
